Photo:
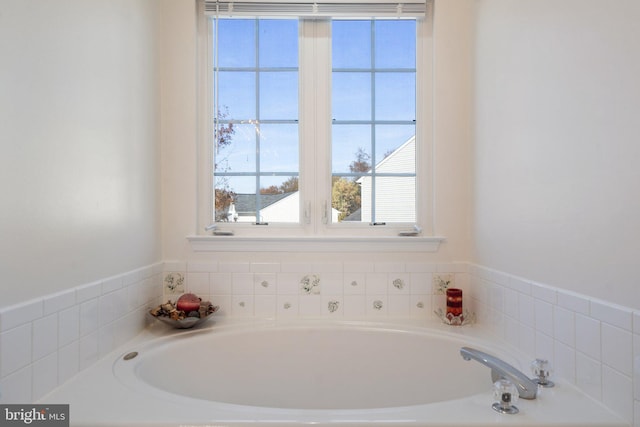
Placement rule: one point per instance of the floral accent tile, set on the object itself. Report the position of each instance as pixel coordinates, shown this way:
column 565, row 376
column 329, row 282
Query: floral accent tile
column 174, row 283
column 377, row 305
column 264, row 284
column 354, row 284
column 442, row 282
column 310, row 284
column 242, row 306
column 287, row 306
column 333, row 306
column 398, row 283
column 420, row 306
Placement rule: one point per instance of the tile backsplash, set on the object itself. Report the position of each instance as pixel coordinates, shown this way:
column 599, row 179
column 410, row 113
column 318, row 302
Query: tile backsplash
column 591, row 343
column 332, row 290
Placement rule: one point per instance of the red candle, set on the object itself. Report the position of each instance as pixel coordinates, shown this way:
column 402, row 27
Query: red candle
column 454, row 303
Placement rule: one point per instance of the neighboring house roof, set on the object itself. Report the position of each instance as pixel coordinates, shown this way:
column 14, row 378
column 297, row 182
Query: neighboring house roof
column 245, row 204
column 355, row 216
column 273, row 207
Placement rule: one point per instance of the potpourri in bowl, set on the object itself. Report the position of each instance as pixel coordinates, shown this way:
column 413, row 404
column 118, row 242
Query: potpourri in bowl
column 181, row 319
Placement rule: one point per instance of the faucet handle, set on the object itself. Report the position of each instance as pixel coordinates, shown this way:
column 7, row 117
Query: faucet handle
column 542, row 370
column 505, row 393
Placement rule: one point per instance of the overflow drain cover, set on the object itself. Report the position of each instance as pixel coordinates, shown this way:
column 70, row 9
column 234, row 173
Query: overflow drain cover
column 130, row 356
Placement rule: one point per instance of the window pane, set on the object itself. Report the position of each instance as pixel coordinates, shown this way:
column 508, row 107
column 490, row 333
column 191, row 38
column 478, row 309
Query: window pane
column 346, row 198
column 395, row 44
column 279, row 148
column 351, row 147
column 279, row 199
column 351, row 96
column 236, row 42
column 351, row 42
column 390, row 139
column 237, row 94
column 279, row 96
column 278, row 43
column 240, row 154
column 394, row 199
column 232, row 196
column 395, row 96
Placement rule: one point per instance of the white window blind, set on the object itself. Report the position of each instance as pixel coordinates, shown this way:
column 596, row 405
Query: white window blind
column 335, row 8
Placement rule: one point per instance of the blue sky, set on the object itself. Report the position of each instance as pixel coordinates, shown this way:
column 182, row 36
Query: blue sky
column 277, row 57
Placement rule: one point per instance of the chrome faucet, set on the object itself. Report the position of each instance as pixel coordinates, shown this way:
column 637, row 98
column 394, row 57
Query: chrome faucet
column 527, row 388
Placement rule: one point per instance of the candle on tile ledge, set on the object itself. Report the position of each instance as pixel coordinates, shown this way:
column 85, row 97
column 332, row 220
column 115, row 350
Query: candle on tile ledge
column 454, row 304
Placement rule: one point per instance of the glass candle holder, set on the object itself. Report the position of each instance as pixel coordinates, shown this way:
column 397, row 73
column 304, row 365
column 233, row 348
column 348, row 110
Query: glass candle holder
column 454, row 303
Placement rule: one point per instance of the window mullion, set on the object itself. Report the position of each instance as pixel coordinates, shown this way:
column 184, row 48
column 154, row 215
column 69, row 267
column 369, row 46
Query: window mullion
column 257, row 124
column 315, row 110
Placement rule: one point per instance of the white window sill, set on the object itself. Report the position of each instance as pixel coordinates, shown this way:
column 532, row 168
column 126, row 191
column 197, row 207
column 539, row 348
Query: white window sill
column 314, row 244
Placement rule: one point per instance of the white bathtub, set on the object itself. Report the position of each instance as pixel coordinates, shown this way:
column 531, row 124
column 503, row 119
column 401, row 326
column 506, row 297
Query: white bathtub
column 346, row 373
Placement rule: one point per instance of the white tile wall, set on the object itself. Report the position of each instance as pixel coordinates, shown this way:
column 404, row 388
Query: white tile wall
column 46, row 341
column 591, row 343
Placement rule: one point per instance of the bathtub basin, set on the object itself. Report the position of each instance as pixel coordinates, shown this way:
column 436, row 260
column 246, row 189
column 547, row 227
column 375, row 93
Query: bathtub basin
column 309, row 372
column 307, row 367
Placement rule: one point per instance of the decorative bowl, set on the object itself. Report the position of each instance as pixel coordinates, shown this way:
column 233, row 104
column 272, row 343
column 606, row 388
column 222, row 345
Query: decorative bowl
column 187, row 322
column 168, row 313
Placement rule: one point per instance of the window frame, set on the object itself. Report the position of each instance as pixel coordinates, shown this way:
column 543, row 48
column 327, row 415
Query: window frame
column 315, row 126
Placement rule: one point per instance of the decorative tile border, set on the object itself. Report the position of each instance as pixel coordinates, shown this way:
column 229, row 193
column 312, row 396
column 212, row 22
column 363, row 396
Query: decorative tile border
column 352, row 287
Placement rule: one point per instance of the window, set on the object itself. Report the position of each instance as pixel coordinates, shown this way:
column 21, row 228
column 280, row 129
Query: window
column 315, row 125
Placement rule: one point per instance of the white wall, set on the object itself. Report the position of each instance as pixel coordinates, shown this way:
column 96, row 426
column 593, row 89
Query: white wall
column 557, row 179
column 79, row 96
column 452, row 138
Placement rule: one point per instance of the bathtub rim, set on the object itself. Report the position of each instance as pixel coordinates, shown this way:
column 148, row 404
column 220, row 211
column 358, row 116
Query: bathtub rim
column 113, row 405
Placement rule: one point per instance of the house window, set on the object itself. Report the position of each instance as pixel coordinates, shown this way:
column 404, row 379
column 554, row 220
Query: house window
column 316, row 125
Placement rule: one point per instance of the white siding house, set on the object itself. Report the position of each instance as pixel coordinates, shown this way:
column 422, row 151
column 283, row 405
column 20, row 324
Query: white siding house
column 395, row 197
column 277, row 208
column 286, row 209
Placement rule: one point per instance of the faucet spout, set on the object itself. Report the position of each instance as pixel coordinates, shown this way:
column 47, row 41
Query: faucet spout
column 527, row 388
